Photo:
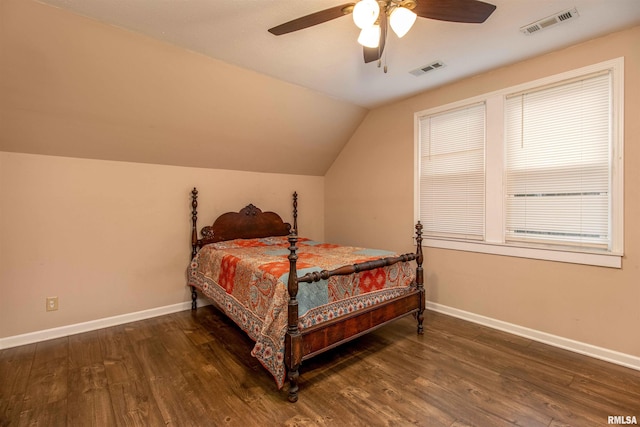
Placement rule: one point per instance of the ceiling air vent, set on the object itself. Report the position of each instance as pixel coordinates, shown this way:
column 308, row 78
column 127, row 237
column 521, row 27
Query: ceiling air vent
column 426, row 68
column 549, row 21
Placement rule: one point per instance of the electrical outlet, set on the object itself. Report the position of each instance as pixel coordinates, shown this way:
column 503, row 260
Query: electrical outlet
column 52, row 303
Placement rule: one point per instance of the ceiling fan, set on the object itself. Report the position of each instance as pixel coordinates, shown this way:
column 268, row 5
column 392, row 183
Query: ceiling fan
column 373, row 17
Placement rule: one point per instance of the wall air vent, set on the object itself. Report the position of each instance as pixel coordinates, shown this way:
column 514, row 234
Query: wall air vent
column 426, row 68
column 549, row 21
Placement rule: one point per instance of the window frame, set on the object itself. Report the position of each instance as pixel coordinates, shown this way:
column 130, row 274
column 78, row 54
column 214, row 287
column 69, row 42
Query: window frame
column 495, row 157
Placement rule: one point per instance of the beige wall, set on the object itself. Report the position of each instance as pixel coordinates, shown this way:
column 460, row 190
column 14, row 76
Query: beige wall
column 369, row 201
column 71, row 86
column 110, row 238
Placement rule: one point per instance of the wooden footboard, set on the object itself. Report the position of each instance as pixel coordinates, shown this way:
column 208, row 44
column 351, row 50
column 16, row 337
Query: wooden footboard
column 326, row 336
column 302, row 345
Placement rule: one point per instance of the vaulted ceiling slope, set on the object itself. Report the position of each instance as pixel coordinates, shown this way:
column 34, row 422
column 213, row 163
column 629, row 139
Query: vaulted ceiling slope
column 327, row 58
column 72, row 86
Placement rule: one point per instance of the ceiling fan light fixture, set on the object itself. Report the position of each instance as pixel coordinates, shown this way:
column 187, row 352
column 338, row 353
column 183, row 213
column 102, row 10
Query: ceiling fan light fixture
column 401, row 20
column 370, row 36
column 365, row 13
column 398, row 14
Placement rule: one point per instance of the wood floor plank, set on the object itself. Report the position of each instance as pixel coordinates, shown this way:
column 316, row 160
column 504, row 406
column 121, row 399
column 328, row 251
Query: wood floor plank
column 239, row 381
column 10, row 408
column 564, row 409
column 15, row 366
column 48, row 378
column 120, row 361
column 166, row 383
column 200, row 373
column 190, row 323
column 570, row 364
column 217, row 411
column 195, row 369
column 451, row 403
column 89, row 401
column 483, row 355
column 134, row 404
column 483, row 388
column 397, row 398
column 84, row 350
column 46, row 415
column 626, row 400
column 129, row 391
column 617, row 376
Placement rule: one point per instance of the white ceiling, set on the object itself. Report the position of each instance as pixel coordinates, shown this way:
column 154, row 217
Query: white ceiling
column 327, row 58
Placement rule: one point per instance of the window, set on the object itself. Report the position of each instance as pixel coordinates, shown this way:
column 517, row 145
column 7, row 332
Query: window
column 557, row 165
column 532, row 171
column 452, row 173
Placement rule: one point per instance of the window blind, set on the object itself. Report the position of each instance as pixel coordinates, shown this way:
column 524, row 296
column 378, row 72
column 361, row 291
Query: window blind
column 558, row 145
column 452, row 173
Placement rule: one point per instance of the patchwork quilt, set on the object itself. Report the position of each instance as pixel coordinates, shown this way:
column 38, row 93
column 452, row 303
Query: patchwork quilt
column 247, row 278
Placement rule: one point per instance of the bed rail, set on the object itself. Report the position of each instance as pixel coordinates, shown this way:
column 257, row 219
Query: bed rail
column 316, row 276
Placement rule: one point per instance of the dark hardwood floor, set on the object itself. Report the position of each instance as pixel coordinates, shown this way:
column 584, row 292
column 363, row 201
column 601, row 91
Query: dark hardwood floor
column 190, row 369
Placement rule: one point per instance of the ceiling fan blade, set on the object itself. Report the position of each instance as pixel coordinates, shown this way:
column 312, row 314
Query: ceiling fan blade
column 374, row 53
column 312, row 19
column 469, row 11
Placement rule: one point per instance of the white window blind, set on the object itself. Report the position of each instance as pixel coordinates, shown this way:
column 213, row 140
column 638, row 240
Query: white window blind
column 452, row 173
column 558, row 177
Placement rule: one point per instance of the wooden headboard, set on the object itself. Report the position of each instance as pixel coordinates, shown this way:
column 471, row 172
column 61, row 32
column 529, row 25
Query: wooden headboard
column 249, row 223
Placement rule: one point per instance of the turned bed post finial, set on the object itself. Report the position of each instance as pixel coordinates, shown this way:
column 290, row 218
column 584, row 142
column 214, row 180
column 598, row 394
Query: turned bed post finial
column 295, row 212
column 194, row 239
column 420, row 256
column 293, row 343
column 194, row 220
column 420, row 277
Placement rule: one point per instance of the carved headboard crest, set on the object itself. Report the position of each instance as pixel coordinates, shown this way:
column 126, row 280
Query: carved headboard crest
column 250, row 210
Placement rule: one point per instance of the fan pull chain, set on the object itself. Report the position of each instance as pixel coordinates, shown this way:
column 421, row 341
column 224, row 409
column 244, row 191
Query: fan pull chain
column 385, row 61
column 383, row 53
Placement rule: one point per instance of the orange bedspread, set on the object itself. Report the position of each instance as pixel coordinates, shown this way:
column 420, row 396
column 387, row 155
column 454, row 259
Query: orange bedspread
column 247, row 279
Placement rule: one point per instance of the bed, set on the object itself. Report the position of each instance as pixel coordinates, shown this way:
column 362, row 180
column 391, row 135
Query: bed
column 296, row 297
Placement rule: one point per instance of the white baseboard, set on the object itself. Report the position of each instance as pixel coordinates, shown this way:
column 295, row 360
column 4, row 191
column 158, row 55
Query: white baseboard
column 93, row 325
column 612, row 356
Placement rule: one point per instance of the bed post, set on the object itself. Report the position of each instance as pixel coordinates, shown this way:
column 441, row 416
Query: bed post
column 194, row 240
column 420, row 277
column 295, row 212
column 293, row 339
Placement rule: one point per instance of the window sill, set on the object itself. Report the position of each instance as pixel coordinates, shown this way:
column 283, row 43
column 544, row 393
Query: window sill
column 569, row 256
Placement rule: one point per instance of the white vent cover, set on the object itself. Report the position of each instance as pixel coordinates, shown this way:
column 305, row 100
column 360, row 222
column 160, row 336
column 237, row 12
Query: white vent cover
column 549, row 21
column 426, row 68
